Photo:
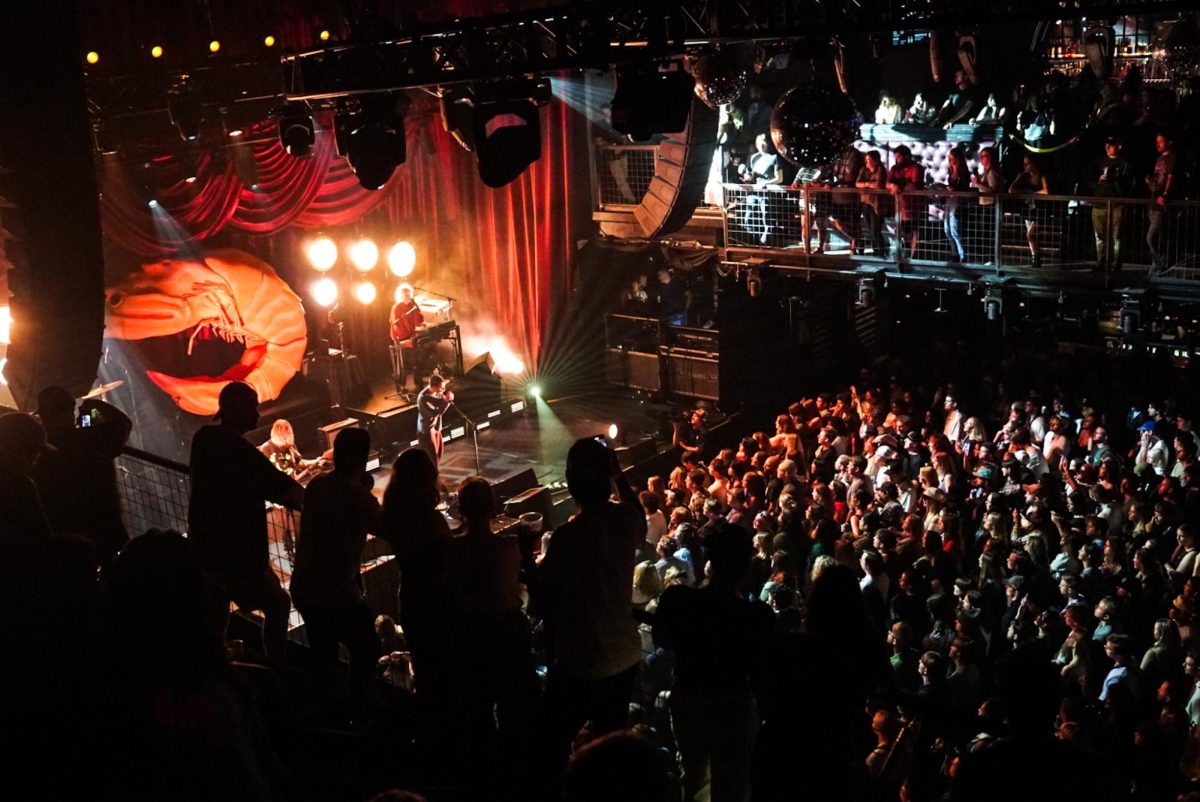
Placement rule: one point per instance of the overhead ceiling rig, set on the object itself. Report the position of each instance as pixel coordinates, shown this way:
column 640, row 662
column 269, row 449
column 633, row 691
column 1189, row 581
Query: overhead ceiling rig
column 597, row 34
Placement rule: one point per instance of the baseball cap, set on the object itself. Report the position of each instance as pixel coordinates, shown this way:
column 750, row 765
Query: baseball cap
column 1148, row 426
column 1015, row 582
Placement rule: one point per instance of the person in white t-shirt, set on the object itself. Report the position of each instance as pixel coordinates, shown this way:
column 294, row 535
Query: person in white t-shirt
column 656, row 521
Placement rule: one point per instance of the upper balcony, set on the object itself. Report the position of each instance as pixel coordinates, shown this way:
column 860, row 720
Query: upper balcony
column 1037, row 241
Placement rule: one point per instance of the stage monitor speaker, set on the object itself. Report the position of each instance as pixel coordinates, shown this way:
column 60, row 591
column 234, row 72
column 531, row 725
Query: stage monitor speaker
column 479, row 392
column 329, row 433
column 690, row 375
column 535, row 499
column 633, row 369
column 514, row 485
column 681, row 170
column 638, row 452
column 396, row 425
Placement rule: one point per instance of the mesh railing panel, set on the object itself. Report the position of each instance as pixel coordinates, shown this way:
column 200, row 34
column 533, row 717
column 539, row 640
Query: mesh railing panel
column 154, row 495
column 623, row 173
column 154, row 492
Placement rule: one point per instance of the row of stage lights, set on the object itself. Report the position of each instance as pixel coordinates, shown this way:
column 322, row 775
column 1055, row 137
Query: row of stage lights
column 363, row 255
column 157, row 51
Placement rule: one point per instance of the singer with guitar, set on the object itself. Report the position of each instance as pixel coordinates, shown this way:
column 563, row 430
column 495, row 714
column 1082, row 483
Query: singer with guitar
column 432, row 403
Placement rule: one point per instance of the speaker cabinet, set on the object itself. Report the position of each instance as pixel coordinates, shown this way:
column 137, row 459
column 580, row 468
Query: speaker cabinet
column 535, row 499
column 513, row 486
column 693, row 376
column 680, row 173
column 633, row 369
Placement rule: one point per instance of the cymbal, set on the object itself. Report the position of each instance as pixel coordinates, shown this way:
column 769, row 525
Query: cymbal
column 102, row 389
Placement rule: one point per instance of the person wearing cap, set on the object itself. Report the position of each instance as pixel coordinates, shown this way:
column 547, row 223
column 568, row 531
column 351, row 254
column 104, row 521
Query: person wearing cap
column 1152, row 451
column 22, row 517
column 78, row 482
column 690, row 436
column 231, row 483
column 1116, row 180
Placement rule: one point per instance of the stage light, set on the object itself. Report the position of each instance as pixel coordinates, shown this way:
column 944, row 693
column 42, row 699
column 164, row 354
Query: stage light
column 156, row 51
column 5, row 325
column 92, row 57
column 1130, row 317
column 325, row 291
column 993, row 306
column 498, row 122
column 322, row 253
column 866, row 294
column 152, row 203
column 365, row 292
column 324, row 35
column 186, row 110
column 508, row 139
column 296, row 130
column 364, row 254
column 402, row 259
column 613, row 431
column 650, row 101
column 375, row 144
column 269, row 41
column 214, row 46
column 535, row 390
column 3, row 365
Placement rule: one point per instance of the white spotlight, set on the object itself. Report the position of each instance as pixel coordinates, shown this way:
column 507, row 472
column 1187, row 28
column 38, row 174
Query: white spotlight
column 364, row 254
column 322, row 252
column 365, row 292
column 325, row 291
column 613, row 431
column 5, row 325
column 402, row 258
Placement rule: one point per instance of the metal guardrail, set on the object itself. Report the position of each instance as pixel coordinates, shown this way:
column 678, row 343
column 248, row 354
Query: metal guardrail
column 623, row 173
column 1047, row 232
column 154, row 495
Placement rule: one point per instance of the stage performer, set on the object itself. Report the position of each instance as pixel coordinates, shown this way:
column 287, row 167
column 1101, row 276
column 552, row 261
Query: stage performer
column 281, row 449
column 405, row 318
column 432, row 403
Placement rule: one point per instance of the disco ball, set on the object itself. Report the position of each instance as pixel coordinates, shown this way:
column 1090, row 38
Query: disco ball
column 721, row 73
column 812, row 126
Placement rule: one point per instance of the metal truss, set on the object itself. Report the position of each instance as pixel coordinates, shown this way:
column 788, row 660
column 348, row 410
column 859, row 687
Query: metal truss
column 594, row 33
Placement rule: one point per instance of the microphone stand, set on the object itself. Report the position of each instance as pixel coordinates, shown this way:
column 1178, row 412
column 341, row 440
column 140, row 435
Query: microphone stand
column 474, row 435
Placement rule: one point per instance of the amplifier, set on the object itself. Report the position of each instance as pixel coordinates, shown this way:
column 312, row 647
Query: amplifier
column 693, row 374
column 632, row 333
column 706, row 340
column 633, row 369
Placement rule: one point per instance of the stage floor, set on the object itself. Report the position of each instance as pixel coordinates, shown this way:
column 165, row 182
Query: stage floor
column 539, row 438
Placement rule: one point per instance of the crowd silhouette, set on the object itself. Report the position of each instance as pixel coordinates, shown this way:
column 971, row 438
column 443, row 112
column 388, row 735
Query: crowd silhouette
column 879, row 601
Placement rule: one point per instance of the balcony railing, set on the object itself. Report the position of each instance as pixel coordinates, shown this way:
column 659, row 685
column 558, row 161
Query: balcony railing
column 1032, row 232
column 623, row 174
column 154, row 495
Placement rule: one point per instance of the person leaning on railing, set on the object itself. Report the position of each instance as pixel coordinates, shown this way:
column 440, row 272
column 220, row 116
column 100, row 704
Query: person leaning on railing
column 872, row 176
column 990, row 183
column 1031, row 181
column 1116, row 180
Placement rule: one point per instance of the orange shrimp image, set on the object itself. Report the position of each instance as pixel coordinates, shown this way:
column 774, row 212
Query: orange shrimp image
column 229, row 294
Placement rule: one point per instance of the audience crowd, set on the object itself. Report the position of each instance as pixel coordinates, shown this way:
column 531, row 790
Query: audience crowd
column 899, row 593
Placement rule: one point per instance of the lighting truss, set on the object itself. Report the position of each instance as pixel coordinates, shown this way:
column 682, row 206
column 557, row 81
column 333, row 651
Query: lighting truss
column 597, row 34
